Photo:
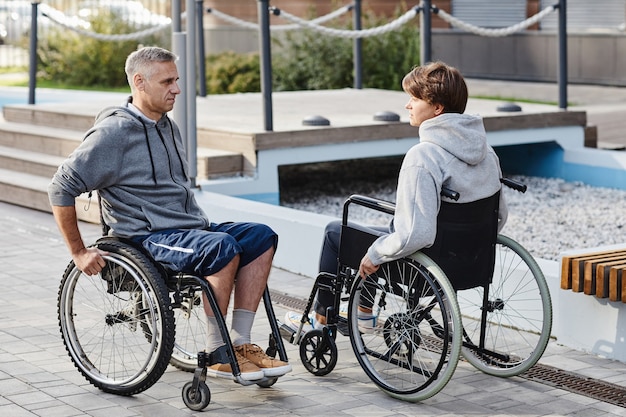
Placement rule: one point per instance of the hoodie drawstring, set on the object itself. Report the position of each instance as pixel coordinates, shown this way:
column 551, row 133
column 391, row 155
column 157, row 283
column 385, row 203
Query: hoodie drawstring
column 145, row 131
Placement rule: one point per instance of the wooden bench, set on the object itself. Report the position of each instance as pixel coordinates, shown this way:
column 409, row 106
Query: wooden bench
column 597, row 273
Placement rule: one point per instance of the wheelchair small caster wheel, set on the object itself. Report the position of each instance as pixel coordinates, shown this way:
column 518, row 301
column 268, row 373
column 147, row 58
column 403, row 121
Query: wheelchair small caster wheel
column 318, row 352
column 268, row 382
column 196, row 400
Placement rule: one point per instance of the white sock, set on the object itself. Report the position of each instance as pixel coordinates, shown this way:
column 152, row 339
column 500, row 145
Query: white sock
column 214, row 337
column 242, row 326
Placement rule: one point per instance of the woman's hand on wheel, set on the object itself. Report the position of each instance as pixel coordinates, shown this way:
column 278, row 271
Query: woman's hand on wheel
column 367, row 267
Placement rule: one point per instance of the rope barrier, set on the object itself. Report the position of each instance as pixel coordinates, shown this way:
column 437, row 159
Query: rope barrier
column 315, row 24
column 103, row 37
column 251, row 25
column 494, row 32
column 351, row 34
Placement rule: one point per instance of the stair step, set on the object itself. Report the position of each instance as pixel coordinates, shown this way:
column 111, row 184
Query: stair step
column 53, row 141
column 34, row 141
column 215, row 163
column 31, row 191
column 76, row 116
column 28, row 162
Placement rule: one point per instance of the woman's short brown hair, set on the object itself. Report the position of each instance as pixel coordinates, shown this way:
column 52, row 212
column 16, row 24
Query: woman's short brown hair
column 437, row 83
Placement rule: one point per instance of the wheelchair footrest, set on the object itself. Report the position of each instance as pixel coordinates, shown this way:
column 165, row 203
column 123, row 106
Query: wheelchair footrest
column 342, row 326
column 286, row 332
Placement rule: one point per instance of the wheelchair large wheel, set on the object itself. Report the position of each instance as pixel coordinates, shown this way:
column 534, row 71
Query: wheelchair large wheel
column 117, row 326
column 191, row 328
column 506, row 332
column 412, row 351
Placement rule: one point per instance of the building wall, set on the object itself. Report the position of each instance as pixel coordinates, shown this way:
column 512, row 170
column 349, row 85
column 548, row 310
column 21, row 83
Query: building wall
column 594, row 58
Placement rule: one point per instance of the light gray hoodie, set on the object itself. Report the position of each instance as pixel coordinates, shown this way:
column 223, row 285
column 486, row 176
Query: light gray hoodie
column 452, row 152
column 140, row 169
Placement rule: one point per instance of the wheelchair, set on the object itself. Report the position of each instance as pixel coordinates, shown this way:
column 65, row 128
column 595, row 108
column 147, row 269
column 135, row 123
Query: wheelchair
column 122, row 327
column 472, row 293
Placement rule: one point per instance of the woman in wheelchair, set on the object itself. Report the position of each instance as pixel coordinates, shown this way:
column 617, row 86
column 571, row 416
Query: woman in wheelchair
column 134, row 156
column 452, row 153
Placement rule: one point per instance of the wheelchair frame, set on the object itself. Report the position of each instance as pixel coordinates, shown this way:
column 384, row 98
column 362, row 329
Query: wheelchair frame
column 425, row 324
column 120, row 329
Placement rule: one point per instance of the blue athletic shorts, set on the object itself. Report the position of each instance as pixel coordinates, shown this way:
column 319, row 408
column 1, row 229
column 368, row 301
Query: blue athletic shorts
column 205, row 252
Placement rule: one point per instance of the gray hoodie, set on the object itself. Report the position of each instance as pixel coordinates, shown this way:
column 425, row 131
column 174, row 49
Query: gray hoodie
column 140, row 169
column 453, row 152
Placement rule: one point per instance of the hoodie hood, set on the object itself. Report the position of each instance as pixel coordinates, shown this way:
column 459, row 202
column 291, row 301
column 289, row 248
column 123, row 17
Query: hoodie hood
column 462, row 135
column 126, row 112
column 125, row 115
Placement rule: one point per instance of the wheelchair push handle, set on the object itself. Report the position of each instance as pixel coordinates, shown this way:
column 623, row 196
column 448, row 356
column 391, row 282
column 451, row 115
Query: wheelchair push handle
column 516, row 185
column 369, row 202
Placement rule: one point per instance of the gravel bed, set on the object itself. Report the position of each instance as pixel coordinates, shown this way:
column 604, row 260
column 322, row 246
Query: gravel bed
column 553, row 216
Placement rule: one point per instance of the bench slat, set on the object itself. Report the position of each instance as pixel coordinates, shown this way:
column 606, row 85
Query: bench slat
column 603, row 277
column 572, row 269
column 615, row 283
column 590, row 285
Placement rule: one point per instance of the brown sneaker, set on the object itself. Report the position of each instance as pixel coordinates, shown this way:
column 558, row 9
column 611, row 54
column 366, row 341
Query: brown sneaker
column 249, row 371
column 256, row 355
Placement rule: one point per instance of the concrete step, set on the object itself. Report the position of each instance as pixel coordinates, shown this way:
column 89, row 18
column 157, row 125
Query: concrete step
column 28, row 162
column 216, row 163
column 28, row 190
column 239, row 143
column 34, row 141
column 212, row 163
column 80, row 117
column 44, row 139
column 611, row 127
column 58, row 128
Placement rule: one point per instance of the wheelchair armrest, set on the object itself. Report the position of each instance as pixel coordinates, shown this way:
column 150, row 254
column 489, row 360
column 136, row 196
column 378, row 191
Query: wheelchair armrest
column 369, row 202
column 382, row 205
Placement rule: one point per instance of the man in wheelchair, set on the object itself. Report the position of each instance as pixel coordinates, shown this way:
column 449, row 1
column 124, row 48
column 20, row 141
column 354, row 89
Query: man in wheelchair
column 134, row 156
column 452, row 153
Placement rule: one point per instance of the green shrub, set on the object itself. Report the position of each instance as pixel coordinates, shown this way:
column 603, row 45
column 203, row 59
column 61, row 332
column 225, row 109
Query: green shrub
column 229, row 72
column 71, row 59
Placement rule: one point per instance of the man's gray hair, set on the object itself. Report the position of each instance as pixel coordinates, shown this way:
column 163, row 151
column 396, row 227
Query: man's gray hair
column 140, row 61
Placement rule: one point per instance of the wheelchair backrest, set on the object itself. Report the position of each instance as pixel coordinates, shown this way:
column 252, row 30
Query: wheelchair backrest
column 466, row 241
column 464, row 246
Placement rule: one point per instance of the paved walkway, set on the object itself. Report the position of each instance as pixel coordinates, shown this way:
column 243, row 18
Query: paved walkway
column 37, row 377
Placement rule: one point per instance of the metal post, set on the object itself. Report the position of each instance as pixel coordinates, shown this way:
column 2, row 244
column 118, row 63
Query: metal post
column 563, row 54
column 192, row 151
column 32, row 67
column 357, row 47
column 426, row 33
column 176, row 21
column 266, row 62
column 201, row 53
column 179, row 39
